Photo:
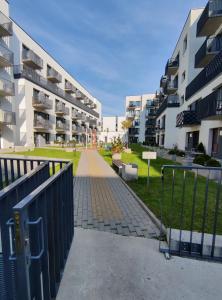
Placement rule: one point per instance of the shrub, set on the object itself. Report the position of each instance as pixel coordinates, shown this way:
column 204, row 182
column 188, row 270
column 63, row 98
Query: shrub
column 200, row 160
column 172, row 152
column 201, row 148
column 117, row 145
column 181, row 153
column 213, row 163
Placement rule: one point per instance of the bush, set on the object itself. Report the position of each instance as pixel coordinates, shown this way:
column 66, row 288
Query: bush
column 213, row 163
column 200, row 160
column 172, row 152
column 201, row 148
column 180, row 153
column 117, row 145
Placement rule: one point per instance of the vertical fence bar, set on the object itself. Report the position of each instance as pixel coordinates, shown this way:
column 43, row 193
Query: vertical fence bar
column 18, row 168
column 1, row 178
column 12, row 170
column 193, row 209
column 182, row 209
column 6, row 171
column 25, row 166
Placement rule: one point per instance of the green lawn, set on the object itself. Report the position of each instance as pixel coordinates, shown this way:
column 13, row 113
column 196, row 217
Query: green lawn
column 154, row 195
column 54, row 153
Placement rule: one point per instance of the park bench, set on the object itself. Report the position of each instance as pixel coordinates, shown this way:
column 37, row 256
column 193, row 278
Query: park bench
column 118, row 165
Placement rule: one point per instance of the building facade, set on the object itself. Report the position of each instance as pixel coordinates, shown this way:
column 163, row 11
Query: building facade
column 141, row 110
column 190, row 110
column 47, row 104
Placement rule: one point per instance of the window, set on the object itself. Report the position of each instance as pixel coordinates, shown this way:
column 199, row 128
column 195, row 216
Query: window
column 135, row 103
column 183, row 76
column 185, row 44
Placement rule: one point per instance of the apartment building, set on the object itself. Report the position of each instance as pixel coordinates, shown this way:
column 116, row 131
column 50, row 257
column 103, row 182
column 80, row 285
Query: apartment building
column 141, row 110
column 179, row 71
column 49, row 105
column 200, row 117
column 111, row 128
column 190, row 109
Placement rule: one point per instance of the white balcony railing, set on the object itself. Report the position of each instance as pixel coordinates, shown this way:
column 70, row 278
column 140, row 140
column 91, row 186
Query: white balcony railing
column 53, row 75
column 32, row 59
column 7, row 88
column 41, row 101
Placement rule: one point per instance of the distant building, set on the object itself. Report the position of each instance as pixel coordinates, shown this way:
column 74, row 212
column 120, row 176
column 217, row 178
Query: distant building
column 141, row 110
column 111, row 128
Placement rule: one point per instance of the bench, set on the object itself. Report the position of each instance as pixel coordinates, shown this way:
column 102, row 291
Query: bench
column 118, row 165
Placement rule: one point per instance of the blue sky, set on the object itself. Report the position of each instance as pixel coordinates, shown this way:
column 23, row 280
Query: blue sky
column 113, row 47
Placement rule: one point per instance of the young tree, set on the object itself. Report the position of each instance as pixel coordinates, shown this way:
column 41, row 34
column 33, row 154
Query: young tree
column 125, row 126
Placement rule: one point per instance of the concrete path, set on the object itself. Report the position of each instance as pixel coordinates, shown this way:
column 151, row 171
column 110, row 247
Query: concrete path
column 105, row 266
column 104, row 203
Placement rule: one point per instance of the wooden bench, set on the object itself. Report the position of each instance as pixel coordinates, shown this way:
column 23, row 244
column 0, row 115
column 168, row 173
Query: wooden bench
column 118, row 165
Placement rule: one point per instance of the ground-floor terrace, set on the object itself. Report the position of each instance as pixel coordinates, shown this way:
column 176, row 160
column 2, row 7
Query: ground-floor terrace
column 115, row 250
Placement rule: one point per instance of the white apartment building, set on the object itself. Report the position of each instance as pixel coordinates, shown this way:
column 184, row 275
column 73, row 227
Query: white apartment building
column 193, row 77
column 141, row 111
column 111, row 128
column 179, row 71
column 49, row 104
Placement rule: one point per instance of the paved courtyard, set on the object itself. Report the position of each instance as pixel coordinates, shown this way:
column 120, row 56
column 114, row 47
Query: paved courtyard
column 103, row 202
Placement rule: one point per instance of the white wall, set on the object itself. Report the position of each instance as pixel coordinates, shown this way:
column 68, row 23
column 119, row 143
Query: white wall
column 111, row 129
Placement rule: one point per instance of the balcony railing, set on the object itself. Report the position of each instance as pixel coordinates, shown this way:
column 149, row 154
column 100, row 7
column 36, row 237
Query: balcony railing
column 30, row 74
column 211, row 47
column 172, row 87
column 7, row 88
column 31, row 59
column 79, row 95
column 53, row 75
column 69, row 87
column 210, row 107
column 74, row 114
column 163, row 81
column 133, row 131
column 6, row 27
column 74, row 128
column 170, row 101
column 92, row 122
column 42, row 124
column 211, row 18
column 187, row 118
column 7, row 117
column 213, row 69
column 6, row 57
column 41, row 101
column 172, row 66
column 62, row 126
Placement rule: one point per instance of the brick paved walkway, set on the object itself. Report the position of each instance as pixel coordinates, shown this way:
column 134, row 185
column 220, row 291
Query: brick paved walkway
column 103, row 202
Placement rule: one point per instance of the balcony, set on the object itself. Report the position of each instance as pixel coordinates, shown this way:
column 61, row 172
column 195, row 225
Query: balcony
column 211, row 18
column 133, row 131
column 92, row 122
column 74, row 128
column 6, row 27
column 74, row 115
column 130, row 115
column 31, row 59
column 6, row 57
column 53, row 75
column 93, row 105
column 170, row 101
column 211, row 47
column 172, row 66
column 187, row 118
column 131, row 107
column 7, row 88
column 60, row 109
column 210, row 107
column 172, row 87
column 69, row 87
column 7, row 117
column 41, row 124
column 21, row 71
column 41, row 101
column 79, row 95
column 163, row 81
column 87, row 101
column 211, row 71
column 61, row 126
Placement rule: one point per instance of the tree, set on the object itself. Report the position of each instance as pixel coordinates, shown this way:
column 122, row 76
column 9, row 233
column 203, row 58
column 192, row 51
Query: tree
column 125, row 126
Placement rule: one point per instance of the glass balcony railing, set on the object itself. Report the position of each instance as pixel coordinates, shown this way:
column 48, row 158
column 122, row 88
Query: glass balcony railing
column 172, row 66
column 69, row 87
column 41, row 123
column 7, row 88
column 79, row 95
column 7, row 117
column 53, row 75
column 6, row 27
column 6, row 57
column 41, row 101
column 61, row 109
column 187, row 118
column 31, row 59
column 211, row 18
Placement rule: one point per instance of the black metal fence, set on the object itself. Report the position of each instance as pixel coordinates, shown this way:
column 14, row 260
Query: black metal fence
column 36, row 231
column 191, row 211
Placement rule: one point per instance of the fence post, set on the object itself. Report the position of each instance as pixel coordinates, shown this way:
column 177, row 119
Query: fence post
column 22, row 256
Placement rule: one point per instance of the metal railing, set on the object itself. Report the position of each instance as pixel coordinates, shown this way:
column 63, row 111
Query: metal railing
column 12, row 168
column 29, row 55
column 210, row 106
column 191, row 211
column 30, row 74
column 6, row 26
column 42, row 124
column 69, row 87
column 6, row 56
column 40, row 100
column 54, row 75
column 9, row 197
column 187, row 118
